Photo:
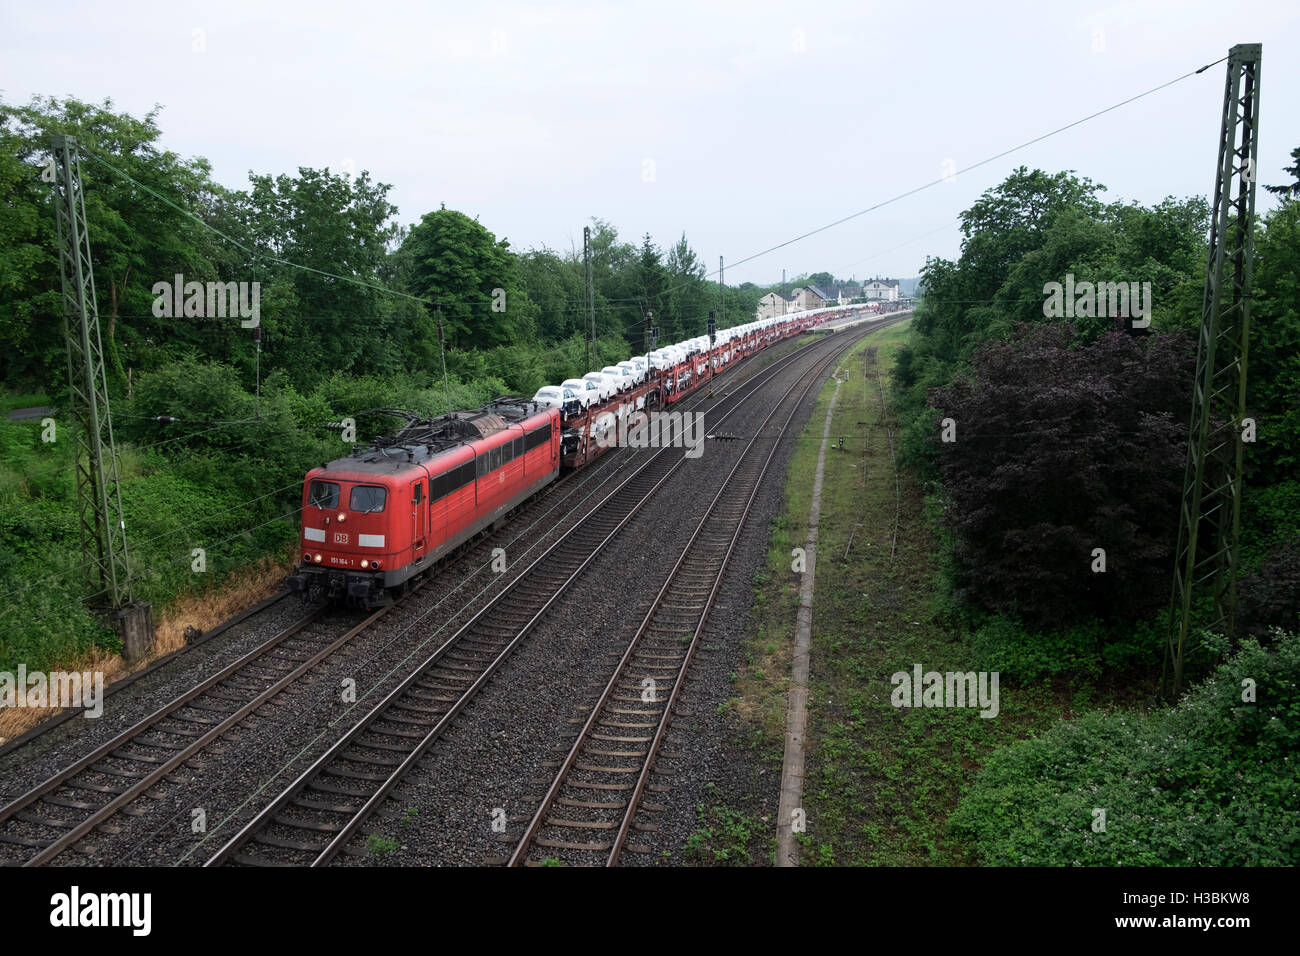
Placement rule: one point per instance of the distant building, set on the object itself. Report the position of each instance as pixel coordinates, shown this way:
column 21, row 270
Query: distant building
column 807, row 298
column 773, row 306
column 881, row 290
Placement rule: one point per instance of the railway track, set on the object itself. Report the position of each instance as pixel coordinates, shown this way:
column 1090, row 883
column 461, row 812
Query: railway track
column 66, row 808
column 590, row 806
column 313, row 819
column 69, row 809
column 41, row 730
column 472, row 552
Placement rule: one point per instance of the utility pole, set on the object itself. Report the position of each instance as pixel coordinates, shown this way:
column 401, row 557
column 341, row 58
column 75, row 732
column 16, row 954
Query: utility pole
column 99, row 501
column 783, row 292
column 591, row 294
column 1210, row 513
column 442, row 350
column 649, row 325
column 722, row 301
column 713, row 337
column 257, row 345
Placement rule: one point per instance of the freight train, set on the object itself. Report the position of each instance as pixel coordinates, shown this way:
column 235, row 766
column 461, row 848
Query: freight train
column 376, row 520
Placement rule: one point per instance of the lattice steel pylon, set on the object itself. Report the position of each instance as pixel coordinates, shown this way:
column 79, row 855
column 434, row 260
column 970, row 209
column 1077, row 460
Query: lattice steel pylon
column 99, row 501
column 1210, row 514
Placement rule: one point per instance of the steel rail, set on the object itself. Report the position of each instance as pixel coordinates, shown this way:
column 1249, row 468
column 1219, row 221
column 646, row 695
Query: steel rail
column 272, row 813
column 720, row 503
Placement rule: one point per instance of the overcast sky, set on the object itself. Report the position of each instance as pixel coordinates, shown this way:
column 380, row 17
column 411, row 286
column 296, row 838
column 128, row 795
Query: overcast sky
column 742, row 125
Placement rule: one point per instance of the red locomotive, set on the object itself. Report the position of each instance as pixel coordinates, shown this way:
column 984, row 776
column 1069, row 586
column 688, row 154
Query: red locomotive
column 386, row 513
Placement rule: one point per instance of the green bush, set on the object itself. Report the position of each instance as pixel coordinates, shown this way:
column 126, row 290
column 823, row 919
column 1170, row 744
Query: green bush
column 1211, row 782
column 1089, row 649
column 1270, row 518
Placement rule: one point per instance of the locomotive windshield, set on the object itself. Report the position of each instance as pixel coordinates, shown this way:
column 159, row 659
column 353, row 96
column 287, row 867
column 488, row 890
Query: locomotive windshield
column 323, row 494
column 368, row 499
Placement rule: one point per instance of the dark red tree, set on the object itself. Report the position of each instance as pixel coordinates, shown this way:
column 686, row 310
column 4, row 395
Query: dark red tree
column 1061, row 450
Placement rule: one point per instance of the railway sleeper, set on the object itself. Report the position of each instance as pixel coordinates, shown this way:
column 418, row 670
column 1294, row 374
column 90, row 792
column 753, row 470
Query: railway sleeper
column 287, row 821
column 15, row 840
column 27, row 816
column 384, row 745
column 324, row 786
column 57, row 801
column 596, row 768
column 98, row 787
column 399, row 732
column 117, row 772
column 356, row 753
column 579, row 824
column 141, row 757
column 288, row 844
column 415, row 708
column 245, row 859
column 566, row 845
column 307, row 804
column 356, row 775
column 181, row 731
column 629, row 754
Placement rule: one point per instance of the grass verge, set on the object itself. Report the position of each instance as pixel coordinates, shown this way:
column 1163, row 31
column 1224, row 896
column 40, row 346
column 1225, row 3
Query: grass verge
column 880, row 782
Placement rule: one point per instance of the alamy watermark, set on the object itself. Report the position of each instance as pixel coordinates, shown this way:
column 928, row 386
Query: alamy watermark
column 57, row 689
column 76, row 909
column 946, row 689
column 208, row 300
column 628, row 428
column 1103, row 300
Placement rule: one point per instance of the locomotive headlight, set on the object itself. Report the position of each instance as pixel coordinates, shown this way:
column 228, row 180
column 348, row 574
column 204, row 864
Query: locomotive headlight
column 364, row 564
column 319, row 558
column 374, row 565
column 341, row 518
column 306, row 558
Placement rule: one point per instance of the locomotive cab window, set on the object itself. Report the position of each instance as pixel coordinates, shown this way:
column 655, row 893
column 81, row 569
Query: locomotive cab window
column 368, row 499
column 323, row 494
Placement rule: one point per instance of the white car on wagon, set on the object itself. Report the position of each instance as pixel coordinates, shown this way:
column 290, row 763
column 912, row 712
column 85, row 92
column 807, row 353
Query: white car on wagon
column 621, row 378
column 608, row 388
column 635, row 371
column 588, row 392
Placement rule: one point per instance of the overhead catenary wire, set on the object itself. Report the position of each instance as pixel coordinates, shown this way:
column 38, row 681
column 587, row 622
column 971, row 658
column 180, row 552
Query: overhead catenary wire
column 781, row 245
column 976, row 165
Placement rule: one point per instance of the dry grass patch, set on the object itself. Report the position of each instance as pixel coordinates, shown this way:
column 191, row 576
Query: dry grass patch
column 203, row 610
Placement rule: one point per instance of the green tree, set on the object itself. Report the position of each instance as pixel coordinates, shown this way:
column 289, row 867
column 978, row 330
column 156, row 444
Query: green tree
column 1289, row 190
column 136, row 238
column 333, row 225
column 1273, row 372
column 558, row 289
column 459, row 264
column 687, row 298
